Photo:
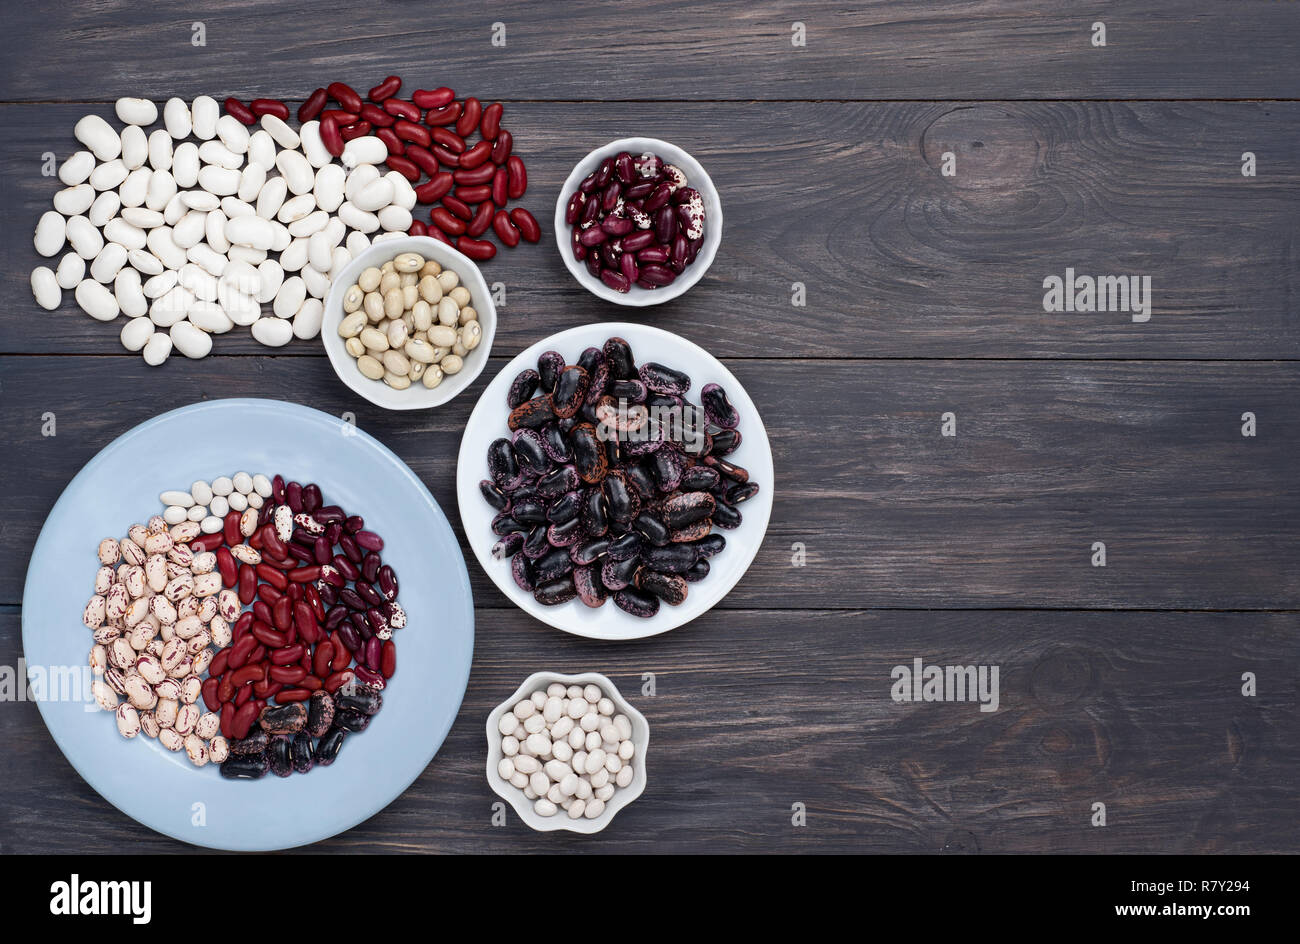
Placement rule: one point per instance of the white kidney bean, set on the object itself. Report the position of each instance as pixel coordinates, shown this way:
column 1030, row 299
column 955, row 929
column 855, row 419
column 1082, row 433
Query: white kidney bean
column 176, row 118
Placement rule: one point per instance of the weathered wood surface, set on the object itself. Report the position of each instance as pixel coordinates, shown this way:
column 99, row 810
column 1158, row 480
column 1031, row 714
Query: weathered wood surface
column 887, row 49
column 1048, row 458
column 848, row 200
column 756, row 711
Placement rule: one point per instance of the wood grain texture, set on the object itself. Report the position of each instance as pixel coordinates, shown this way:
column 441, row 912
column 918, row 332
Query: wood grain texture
column 1148, row 458
column 848, row 199
column 756, row 711
column 887, row 49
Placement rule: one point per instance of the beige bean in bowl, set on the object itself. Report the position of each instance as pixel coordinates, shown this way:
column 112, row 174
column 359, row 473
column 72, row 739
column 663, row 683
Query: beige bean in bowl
column 409, row 323
column 582, row 757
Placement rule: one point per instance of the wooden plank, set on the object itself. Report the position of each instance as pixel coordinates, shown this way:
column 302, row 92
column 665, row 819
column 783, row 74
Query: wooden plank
column 1048, row 459
column 757, row 711
column 658, row 49
column 897, row 260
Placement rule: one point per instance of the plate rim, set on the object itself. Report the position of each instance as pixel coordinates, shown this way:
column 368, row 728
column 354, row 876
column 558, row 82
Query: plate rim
column 552, row 615
column 122, row 441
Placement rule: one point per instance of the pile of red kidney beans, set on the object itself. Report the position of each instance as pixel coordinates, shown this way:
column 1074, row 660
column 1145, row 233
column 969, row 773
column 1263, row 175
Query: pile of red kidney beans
column 613, row 481
column 457, row 147
column 311, row 654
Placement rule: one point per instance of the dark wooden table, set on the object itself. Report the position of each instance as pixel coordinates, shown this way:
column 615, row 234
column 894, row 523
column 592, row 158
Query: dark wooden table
column 1120, row 685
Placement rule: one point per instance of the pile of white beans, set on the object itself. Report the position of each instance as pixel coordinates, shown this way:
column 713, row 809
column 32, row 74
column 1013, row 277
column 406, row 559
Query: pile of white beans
column 157, row 610
column 179, row 235
column 566, row 749
column 208, row 503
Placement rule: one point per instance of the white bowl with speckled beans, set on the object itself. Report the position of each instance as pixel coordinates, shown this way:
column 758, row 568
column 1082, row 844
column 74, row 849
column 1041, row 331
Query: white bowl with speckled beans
column 696, row 177
column 515, row 796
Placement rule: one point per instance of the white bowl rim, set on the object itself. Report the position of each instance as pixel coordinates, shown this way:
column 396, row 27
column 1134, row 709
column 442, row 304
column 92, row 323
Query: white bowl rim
column 593, row 624
column 417, row 396
column 697, row 177
column 524, row 806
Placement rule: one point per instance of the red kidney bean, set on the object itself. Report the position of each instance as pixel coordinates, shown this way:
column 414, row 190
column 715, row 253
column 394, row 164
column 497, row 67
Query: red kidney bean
column 527, row 224
column 627, row 265
column 434, row 189
column 438, row 234
column 369, row 540
column 269, row 106
column 500, row 185
column 490, row 124
column 388, row 660
column 410, row 131
column 505, row 142
column 209, row 692
column 476, row 155
column 592, row 237
column 404, row 167
column 337, row 680
column 247, row 584
column 258, row 653
column 448, row 114
column 269, row 637
column 609, row 197
column 358, row 130
column 448, row 139
column 423, row 158
column 471, row 111
column 391, row 141
column 445, row 157
column 228, row 567
column 472, row 178
column 247, row 674
column 230, row 528
column 288, row 655
column 473, row 195
column 226, row 690
column 374, row 646
column 313, row 600
column 480, row 250
column 290, row 695
column 239, row 111
column 385, row 89
column 376, row 116
column 345, row 95
column 311, row 683
column 266, row 688
column 482, row 219
column 268, row 594
column 443, row 219
column 242, row 625
column 652, row 254
column 518, row 177
column 282, row 615
column 294, row 592
column 579, row 250
column 615, row 280
column 228, row 721
column 505, row 230
column 345, row 567
column 262, row 610
column 458, row 207
column 400, row 108
column 348, row 543
column 437, row 98
column 657, row 275
column 243, row 720
column 310, row 110
column 331, row 138
column 305, row 620
column 574, row 207
column 271, row 575
column 320, row 661
column 304, row 575
column 638, row 241
column 342, row 117
column 206, row 542
column 287, row 674
column 418, row 228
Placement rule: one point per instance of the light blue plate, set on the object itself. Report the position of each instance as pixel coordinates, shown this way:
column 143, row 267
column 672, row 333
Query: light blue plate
column 119, row 487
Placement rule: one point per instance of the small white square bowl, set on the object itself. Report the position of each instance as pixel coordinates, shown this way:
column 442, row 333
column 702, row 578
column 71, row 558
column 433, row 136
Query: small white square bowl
column 524, row 806
column 695, row 177
column 417, row 396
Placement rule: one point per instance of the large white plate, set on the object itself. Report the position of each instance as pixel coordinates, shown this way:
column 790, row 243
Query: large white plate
column 119, row 487
column 488, row 422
